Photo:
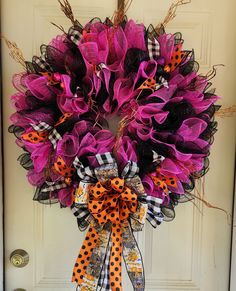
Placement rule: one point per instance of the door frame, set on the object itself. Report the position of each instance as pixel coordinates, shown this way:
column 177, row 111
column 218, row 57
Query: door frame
column 1, row 182
column 232, row 281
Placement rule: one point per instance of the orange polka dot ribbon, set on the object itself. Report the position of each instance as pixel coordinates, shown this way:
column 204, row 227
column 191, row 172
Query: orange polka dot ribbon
column 115, row 211
column 177, row 57
column 164, row 183
column 153, row 85
column 61, row 168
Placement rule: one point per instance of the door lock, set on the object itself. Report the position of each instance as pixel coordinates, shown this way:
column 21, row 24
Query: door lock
column 19, row 259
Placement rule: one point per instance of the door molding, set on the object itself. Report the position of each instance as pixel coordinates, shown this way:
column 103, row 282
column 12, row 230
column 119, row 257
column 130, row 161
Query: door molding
column 2, row 182
column 1, row 177
column 232, row 282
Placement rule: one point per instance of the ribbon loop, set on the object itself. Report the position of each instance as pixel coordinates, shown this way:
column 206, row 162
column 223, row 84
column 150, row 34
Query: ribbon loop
column 53, row 186
column 154, row 214
column 157, row 159
column 130, row 170
column 153, row 48
column 85, row 173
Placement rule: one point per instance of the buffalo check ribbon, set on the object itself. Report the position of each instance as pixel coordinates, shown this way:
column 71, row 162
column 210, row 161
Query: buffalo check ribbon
column 99, row 69
column 130, row 170
column 75, row 34
column 154, row 213
column 153, row 48
column 84, row 173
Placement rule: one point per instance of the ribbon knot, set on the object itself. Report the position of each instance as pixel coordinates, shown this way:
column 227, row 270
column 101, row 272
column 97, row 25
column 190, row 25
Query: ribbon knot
column 113, row 202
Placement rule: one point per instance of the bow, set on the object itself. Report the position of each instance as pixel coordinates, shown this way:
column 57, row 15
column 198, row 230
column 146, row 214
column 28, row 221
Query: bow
column 164, row 182
column 114, row 210
column 41, row 133
column 65, row 172
column 44, row 131
column 153, row 85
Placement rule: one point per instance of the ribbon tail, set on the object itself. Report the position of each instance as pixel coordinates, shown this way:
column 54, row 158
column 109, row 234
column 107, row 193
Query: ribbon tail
column 84, row 256
column 95, row 249
column 115, row 258
column 104, row 280
column 133, row 259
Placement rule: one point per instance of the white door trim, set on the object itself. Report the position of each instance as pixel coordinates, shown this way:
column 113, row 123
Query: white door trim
column 233, row 248
column 233, row 254
column 1, row 189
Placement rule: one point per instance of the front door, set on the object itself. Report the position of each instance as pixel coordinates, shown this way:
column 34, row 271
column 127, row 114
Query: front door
column 191, row 253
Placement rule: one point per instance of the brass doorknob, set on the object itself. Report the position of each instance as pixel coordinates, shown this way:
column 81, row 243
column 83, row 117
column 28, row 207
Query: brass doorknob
column 19, row 259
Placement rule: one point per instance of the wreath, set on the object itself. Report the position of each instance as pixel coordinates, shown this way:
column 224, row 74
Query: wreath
column 113, row 178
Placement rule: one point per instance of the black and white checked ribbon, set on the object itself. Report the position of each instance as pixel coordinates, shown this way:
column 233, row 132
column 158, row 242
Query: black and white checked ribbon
column 54, row 186
column 83, row 216
column 74, row 35
column 85, row 173
column 99, row 68
column 157, row 158
column 79, row 212
column 53, row 136
column 39, row 61
column 154, row 214
column 104, row 280
column 130, row 170
column 105, row 158
column 153, row 48
column 162, row 82
column 42, row 126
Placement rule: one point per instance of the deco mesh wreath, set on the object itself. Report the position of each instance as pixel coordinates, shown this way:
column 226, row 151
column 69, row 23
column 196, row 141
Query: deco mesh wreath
column 113, row 182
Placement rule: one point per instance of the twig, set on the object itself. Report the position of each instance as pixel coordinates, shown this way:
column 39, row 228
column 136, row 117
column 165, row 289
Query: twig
column 60, row 27
column 67, row 10
column 200, row 196
column 212, row 73
column 226, row 112
column 119, row 15
column 171, row 14
column 15, row 52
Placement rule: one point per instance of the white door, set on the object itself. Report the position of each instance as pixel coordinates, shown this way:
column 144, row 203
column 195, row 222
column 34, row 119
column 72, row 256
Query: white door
column 191, row 253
